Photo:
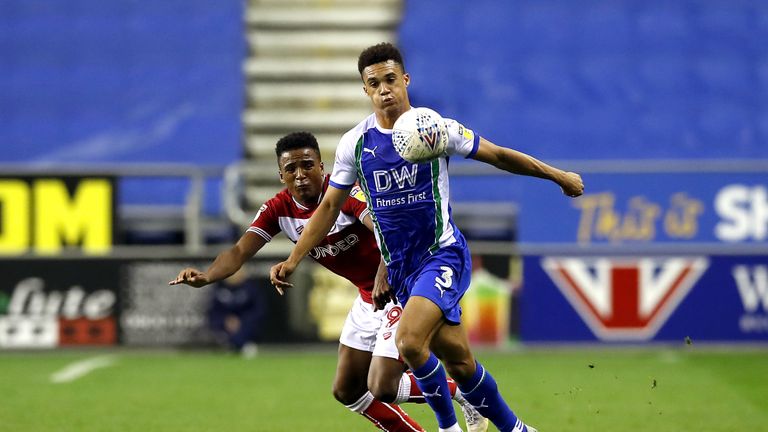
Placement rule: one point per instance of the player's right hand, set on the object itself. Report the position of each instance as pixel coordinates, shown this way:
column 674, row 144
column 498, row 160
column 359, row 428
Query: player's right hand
column 279, row 274
column 192, row 277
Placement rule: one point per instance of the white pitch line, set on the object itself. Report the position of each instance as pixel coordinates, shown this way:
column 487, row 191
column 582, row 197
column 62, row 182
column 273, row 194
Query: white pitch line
column 80, row 369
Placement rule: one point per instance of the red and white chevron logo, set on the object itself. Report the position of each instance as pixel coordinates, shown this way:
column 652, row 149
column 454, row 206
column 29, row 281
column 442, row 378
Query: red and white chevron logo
column 625, row 298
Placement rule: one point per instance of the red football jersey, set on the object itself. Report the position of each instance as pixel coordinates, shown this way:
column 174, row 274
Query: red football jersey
column 350, row 248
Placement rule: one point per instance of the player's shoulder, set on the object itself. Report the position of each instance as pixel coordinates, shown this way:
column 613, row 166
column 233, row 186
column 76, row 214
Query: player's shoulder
column 282, row 197
column 352, row 136
column 457, row 128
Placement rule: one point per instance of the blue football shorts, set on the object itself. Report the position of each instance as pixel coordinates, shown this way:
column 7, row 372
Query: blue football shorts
column 443, row 278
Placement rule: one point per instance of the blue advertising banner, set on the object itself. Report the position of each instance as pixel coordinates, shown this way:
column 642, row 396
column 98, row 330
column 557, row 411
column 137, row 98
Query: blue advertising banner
column 644, row 208
column 644, row 298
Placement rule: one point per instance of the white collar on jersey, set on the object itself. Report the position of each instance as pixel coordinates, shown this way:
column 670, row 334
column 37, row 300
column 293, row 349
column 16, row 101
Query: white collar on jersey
column 302, row 206
column 381, row 129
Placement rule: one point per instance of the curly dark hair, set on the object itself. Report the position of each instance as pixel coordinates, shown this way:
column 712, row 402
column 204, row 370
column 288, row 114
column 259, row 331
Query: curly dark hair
column 296, row 140
column 379, row 53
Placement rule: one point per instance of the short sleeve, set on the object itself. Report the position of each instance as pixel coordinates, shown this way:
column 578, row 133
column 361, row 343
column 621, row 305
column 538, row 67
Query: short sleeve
column 344, row 171
column 266, row 222
column 461, row 140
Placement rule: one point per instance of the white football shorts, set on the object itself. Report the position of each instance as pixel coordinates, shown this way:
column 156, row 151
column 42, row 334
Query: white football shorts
column 371, row 331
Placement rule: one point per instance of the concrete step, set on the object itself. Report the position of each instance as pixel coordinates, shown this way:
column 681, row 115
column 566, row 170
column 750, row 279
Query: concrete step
column 287, row 43
column 307, row 95
column 322, row 3
column 263, row 145
column 255, row 196
column 363, row 16
column 326, row 69
column 315, row 121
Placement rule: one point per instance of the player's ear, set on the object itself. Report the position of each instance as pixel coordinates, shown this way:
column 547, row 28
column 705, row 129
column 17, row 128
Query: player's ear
column 280, row 173
column 322, row 167
column 406, row 79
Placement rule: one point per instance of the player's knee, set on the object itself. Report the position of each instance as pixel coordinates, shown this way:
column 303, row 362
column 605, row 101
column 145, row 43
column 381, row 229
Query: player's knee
column 385, row 392
column 346, row 395
column 411, row 348
column 460, row 370
column 456, row 357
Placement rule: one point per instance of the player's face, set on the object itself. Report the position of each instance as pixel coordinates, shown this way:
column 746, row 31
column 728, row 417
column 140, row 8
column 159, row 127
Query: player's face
column 387, row 86
column 302, row 173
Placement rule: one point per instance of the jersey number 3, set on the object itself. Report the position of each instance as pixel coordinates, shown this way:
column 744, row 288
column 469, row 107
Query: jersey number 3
column 445, row 280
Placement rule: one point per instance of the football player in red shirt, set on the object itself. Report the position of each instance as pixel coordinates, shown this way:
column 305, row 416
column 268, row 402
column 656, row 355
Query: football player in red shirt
column 368, row 357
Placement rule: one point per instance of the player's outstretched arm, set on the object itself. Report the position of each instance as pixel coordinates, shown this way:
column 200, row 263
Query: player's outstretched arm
column 520, row 163
column 316, row 229
column 225, row 264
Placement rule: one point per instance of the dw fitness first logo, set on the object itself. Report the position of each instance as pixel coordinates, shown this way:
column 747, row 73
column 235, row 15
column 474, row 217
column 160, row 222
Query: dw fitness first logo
column 625, row 298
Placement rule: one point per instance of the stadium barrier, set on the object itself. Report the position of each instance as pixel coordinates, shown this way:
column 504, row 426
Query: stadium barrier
column 653, row 252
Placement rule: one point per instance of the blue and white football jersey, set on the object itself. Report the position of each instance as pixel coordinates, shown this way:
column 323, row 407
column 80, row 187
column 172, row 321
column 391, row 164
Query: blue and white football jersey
column 408, row 202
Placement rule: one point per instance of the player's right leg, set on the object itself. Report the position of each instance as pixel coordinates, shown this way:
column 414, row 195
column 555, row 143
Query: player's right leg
column 358, row 338
column 421, row 319
column 349, row 383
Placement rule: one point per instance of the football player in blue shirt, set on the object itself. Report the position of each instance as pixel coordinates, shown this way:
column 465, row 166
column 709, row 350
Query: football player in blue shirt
column 427, row 257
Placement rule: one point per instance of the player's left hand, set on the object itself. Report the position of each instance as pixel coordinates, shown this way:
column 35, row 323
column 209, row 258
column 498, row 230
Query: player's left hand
column 279, row 274
column 572, row 184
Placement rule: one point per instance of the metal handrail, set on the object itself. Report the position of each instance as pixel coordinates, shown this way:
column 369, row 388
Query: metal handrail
column 237, row 214
column 234, row 189
column 625, row 166
column 118, row 170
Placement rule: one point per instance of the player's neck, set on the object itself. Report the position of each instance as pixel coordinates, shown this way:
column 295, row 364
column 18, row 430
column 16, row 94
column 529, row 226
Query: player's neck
column 308, row 203
column 386, row 119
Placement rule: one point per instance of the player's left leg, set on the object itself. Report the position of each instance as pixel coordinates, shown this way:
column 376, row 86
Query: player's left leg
column 388, row 383
column 384, row 378
column 476, row 384
column 386, row 368
column 408, row 391
column 358, row 338
column 431, row 296
column 433, row 310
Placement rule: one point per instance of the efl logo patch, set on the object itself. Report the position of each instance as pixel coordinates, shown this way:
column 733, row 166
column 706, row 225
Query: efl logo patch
column 625, row 298
column 261, row 210
column 357, row 193
column 468, row 134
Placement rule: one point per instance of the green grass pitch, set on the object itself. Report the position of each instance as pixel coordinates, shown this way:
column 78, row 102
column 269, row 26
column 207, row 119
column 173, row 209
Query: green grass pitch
column 663, row 389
